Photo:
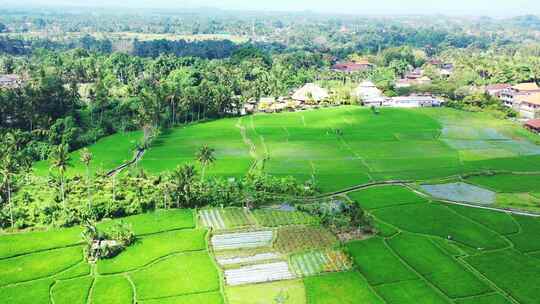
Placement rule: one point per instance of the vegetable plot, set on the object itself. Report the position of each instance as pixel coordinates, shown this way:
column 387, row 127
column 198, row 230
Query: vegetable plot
column 316, row 262
column 242, row 240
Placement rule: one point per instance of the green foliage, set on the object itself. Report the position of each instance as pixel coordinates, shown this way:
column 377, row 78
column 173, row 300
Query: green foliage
column 377, row 262
column 438, row 220
column 112, row 289
column 207, row 298
column 497, row 221
column 385, row 196
column 32, row 292
column 72, row 291
column 27, row 242
column 505, row 268
column 31, row 266
column 528, row 239
column 176, row 275
column 346, row 287
column 437, row 267
column 291, row 290
column 150, row 248
column 410, row 292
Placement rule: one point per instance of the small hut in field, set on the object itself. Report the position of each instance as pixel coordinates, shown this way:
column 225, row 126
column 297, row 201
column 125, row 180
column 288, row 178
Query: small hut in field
column 310, row 93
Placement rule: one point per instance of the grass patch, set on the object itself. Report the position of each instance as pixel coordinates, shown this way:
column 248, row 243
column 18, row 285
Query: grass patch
column 72, row 291
column 410, row 292
column 293, row 291
column 385, row 196
column 487, row 299
column 112, row 290
column 497, row 221
column 107, row 153
column 385, row 230
column 515, row 273
column 377, row 263
column 38, row 265
column 177, row 275
column 156, row 221
column 275, row 218
column 201, row 298
column 440, row 269
column 294, row 239
column 438, row 220
column 529, row 238
column 508, row 182
column 152, row 247
column 523, row 201
column 36, row 292
column 342, row 288
column 79, row 270
column 27, row 242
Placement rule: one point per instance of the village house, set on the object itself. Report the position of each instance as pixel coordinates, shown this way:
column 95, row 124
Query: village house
column 445, row 69
column 352, row 66
column 511, row 96
column 310, row 93
column 369, row 94
column 414, row 101
column 10, row 81
column 533, row 125
column 495, row 90
column 529, row 105
column 413, row 78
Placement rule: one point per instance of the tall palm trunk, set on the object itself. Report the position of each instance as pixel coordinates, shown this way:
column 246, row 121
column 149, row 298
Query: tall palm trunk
column 10, row 204
column 63, row 196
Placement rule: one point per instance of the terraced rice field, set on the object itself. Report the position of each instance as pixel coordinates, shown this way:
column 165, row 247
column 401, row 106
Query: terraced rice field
column 424, row 251
column 169, row 259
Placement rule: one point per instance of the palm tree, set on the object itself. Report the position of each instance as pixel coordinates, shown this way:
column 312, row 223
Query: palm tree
column 60, row 161
column 205, row 156
column 182, row 179
column 86, row 158
column 7, row 171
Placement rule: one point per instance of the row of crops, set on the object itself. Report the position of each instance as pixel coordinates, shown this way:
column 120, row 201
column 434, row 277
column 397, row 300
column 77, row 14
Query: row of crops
column 237, row 218
column 295, row 246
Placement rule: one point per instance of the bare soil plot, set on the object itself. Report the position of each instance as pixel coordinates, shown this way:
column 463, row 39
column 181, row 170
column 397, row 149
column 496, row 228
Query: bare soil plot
column 295, row 239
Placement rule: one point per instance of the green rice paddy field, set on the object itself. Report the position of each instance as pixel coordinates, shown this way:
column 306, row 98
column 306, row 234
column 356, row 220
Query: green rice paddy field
column 424, row 251
column 442, row 254
column 338, row 147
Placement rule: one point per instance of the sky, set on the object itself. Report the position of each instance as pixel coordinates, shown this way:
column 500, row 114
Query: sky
column 357, row 7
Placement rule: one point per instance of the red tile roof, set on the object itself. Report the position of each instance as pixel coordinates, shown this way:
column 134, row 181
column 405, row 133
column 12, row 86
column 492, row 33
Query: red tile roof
column 352, row 66
column 533, row 123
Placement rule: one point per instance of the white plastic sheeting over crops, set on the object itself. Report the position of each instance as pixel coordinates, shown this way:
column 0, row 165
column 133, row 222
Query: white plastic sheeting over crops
column 212, row 218
column 461, row 192
column 259, row 273
column 248, row 259
column 242, row 240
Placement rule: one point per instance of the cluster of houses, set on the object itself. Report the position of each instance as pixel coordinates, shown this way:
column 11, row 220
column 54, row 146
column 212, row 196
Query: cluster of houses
column 10, row 81
column 311, row 96
column 524, row 98
column 370, row 95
